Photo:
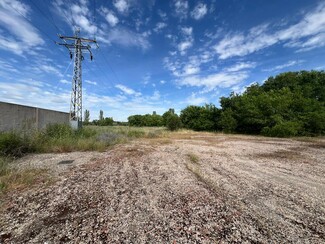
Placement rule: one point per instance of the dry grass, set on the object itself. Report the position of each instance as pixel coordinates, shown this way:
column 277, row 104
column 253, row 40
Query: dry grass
column 193, row 158
column 282, row 154
column 19, row 180
column 195, row 169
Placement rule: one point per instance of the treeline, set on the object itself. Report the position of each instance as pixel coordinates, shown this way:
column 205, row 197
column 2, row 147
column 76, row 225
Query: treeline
column 290, row 104
column 168, row 119
column 102, row 121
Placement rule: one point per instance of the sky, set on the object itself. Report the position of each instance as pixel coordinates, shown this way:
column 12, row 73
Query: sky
column 154, row 54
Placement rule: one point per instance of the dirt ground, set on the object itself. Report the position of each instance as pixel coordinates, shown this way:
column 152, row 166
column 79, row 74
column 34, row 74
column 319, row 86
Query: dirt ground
column 190, row 188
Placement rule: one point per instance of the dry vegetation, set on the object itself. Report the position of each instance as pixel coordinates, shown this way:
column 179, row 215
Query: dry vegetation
column 174, row 188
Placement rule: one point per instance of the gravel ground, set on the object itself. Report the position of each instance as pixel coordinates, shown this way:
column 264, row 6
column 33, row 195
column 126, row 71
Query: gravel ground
column 194, row 187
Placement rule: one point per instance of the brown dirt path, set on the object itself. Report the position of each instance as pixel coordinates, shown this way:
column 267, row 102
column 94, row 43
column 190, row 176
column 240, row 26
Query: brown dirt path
column 238, row 189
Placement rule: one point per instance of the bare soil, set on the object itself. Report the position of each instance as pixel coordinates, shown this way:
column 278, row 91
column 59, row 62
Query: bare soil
column 191, row 187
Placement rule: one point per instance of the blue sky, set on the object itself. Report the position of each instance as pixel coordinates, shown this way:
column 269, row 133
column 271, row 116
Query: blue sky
column 154, row 55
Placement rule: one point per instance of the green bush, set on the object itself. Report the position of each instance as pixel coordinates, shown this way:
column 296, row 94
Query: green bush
column 173, row 122
column 136, row 133
column 58, row 131
column 227, row 122
column 14, row 145
column 284, row 129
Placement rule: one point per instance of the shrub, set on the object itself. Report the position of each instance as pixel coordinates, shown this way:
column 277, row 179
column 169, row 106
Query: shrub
column 173, row 122
column 284, row 129
column 58, row 131
column 136, row 133
column 14, row 145
column 227, row 122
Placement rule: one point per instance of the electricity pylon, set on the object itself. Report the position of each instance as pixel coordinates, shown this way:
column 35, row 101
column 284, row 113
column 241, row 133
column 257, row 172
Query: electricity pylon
column 76, row 46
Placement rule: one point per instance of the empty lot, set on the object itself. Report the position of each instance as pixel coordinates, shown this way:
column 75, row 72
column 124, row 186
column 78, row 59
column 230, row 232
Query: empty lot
column 189, row 187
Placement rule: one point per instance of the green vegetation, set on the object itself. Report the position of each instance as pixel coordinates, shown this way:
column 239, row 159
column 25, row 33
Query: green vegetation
column 146, row 120
column 290, row 104
column 203, row 118
column 58, row 138
column 11, row 178
column 193, row 158
column 168, row 119
column 62, row 138
column 173, row 122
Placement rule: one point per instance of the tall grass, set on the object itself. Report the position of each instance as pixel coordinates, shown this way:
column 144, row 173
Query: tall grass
column 58, row 138
column 62, row 138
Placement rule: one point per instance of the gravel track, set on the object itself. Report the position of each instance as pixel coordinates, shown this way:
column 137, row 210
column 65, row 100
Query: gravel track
column 240, row 189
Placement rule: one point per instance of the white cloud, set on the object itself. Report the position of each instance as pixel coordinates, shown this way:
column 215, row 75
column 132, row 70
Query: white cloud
column 162, row 82
column 194, row 100
column 146, row 79
column 111, row 19
column 76, row 15
column 155, row 96
column 64, row 81
column 210, row 82
column 199, row 11
column 124, row 37
column 23, row 38
column 40, row 68
column 241, row 66
column 162, row 15
column 119, row 106
column 187, row 31
column 121, row 5
column 190, row 70
column 181, row 8
column 183, row 46
column 307, row 34
column 282, row 66
column 91, row 82
column 160, row 26
column 127, row 90
column 16, row 93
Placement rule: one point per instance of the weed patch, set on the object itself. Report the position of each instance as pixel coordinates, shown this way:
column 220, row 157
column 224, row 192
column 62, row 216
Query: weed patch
column 13, row 179
column 193, row 158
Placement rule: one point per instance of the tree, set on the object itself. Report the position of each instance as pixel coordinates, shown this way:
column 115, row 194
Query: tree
column 201, row 118
column 227, row 121
column 87, row 117
column 101, row 115
column 173, row 122
column 106, row 122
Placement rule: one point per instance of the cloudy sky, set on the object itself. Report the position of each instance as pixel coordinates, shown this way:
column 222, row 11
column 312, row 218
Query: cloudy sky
column 154, row 54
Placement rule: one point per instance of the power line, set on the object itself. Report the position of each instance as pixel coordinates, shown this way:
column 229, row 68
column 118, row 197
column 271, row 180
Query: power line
column 33, row 24
column 42, row 12
column 110, row 67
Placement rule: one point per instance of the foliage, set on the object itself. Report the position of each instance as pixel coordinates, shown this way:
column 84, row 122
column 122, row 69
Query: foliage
column 106, row 122
column 284, row 129
column 62, row 138
column 101, row 115
column 87, row 117
column 145, row 120
column 203, row 118
column 173, row 122
column 289, row 104
column 13, row 144
column 227, row 121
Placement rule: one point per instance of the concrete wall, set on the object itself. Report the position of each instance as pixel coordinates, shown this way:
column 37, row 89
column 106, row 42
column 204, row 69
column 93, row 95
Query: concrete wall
column 19, row 117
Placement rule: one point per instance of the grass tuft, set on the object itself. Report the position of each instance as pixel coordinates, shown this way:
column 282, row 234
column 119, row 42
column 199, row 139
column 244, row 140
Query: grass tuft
column 193, row 158
column 13, row 179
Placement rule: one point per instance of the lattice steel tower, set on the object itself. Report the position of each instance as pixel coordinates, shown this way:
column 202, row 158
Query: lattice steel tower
column 76, row 46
